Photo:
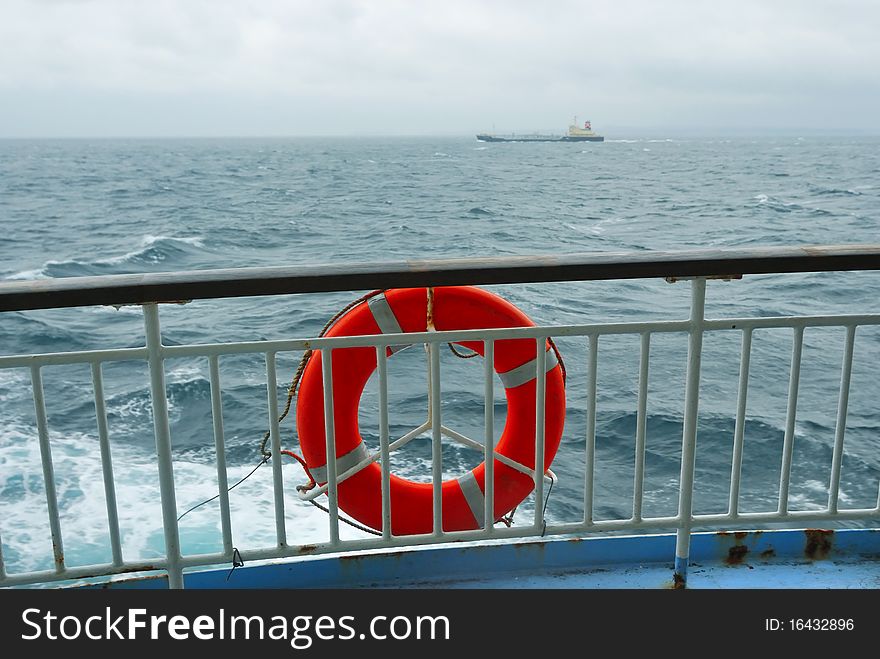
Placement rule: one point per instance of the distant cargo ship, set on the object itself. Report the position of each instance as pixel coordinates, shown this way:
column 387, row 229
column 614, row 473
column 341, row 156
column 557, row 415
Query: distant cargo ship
column 575, row 134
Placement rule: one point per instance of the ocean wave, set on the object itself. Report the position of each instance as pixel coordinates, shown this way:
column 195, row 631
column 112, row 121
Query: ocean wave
column 836, row 192
column 781, row 206
column 30, row 333
column 152, row 251
column 776, row 203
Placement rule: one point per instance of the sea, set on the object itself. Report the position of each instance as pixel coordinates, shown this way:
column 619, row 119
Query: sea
column 86, row 207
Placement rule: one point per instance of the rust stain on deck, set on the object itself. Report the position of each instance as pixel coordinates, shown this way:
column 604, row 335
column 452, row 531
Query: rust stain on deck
column 818, row 544
column 736, row 554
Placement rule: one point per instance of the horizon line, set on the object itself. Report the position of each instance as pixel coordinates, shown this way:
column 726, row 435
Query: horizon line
column 622, row 134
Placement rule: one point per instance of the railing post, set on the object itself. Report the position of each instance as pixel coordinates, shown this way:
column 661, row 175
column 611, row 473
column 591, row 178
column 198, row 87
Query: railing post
column 384, row 448
column 489, row 435
column 48, row 469
column 840, row 427
column 436, row 445
column 220, row 448
column 740, row 427
column 275, row 440
column 330, row 444
column 540, row 409
column 641, row 422
column 106, row 463
column 689, row 432
column 590, row 451
column 162, row 432
column 790, row 414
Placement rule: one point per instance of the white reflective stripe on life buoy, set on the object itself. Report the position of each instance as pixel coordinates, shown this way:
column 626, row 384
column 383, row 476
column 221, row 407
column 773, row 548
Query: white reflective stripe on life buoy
column 343, row 463
column 527, row 372
column 476, row 501
column 385, row 319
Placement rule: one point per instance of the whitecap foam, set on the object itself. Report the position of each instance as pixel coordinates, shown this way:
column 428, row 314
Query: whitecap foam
column 147, row 242
column 799, row 501
column 15, row 385
column 182, row 373
column 197, row 241
column 27, row 275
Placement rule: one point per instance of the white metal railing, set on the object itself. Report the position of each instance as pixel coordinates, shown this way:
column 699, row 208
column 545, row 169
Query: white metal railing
column 155, row 354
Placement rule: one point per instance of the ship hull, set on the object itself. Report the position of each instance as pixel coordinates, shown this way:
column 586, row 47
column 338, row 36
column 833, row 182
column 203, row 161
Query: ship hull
column 564, row 138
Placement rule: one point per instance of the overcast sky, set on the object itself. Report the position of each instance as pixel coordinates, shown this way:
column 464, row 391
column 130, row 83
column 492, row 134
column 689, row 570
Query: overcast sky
column 342, row 67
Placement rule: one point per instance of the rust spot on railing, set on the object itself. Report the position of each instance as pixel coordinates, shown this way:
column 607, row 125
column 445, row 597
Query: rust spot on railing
column 107, row 585
column 429, row 319
column 768, row 553
column 819, row 543
column 307, row 549
column 739, row 535
column 678, row 582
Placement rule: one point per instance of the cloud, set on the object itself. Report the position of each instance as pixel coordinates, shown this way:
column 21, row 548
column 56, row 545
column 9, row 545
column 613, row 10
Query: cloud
column 453, row 65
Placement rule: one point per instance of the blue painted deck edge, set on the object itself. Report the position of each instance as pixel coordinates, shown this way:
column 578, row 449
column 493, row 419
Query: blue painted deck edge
column 459, row 563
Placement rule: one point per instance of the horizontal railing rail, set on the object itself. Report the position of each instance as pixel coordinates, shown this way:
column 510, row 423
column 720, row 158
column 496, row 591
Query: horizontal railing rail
column 243, row 282
column 698, row 266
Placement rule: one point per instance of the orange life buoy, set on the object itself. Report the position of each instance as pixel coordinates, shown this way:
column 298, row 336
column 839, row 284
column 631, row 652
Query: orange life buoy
column 463, row 505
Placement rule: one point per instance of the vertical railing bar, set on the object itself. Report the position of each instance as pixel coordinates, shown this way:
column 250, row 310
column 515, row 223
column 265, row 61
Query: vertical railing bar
column 739, row 428
column 384, row 451
column 330, row 443
column 106, row 463
column 162, row 432
column 540, row 409
column 275, row 439
column 590, row 454
column 840, row 428
column 48, row 469
column 689, row 431
column 2, row 564
column 436, row 445
column 489, row 448
column 641, row 422
column 791, row 413
column 220, row 449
